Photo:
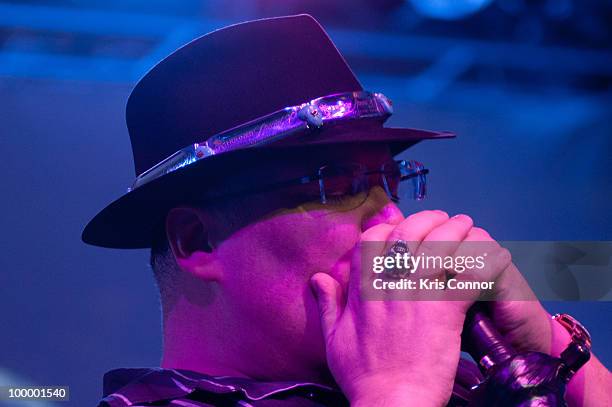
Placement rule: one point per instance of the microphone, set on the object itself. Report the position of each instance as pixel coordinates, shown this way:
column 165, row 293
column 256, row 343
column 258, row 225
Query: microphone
column 512, row 379
column 482, row 340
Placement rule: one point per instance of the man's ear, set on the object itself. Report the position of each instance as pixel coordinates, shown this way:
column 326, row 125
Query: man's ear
column 188, row 237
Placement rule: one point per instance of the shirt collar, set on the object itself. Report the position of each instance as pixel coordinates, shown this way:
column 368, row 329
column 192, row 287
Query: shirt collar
column 132, row 386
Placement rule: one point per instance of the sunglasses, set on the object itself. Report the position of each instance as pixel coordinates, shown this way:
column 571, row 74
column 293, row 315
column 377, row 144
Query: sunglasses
column 347, row 185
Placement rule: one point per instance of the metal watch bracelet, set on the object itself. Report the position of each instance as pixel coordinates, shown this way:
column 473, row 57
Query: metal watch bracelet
column 578, row 352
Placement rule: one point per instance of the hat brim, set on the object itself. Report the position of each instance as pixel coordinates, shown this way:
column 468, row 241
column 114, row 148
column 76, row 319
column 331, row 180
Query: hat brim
column 129, row 221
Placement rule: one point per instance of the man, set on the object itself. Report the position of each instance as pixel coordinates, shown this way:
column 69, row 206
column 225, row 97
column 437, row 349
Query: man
column 263, row 166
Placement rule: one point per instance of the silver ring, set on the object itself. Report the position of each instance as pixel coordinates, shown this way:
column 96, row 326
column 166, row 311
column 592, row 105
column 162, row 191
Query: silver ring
column 399, row 247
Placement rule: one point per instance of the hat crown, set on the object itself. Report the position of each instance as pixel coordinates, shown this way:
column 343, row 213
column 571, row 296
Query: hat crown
column 228, row 77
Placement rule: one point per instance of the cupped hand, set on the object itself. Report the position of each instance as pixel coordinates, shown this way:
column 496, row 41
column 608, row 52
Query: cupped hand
column 395, row 352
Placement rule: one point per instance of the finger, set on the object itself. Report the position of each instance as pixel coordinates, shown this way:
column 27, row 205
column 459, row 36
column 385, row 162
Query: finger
column 510, row 285
column 477, row 234
column 328, row 294
column 414, row 228
column 371, row 245
column 480, row 243
column 377, row 233
column 487, row 261
column 442, row 241
column 454, row 229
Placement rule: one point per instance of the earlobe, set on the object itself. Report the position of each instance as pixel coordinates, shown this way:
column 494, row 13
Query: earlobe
column 200, row 265
column 188, row 234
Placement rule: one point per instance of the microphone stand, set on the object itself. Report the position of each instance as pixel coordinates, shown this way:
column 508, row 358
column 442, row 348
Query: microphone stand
column 512, row 379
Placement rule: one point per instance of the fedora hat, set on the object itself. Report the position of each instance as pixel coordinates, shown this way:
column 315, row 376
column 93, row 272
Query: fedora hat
column 240, row 94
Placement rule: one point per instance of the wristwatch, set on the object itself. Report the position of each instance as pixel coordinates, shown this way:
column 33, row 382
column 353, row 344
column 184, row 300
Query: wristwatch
column 578, row 352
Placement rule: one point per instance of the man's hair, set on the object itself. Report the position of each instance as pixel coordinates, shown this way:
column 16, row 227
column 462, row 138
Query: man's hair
column 163, row 263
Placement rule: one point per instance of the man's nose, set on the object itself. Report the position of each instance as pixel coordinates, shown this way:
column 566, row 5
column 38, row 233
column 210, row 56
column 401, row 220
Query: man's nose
column 379, row 208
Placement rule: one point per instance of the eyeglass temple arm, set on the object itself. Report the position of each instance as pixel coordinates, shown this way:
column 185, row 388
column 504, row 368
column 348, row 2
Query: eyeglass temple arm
column 424, row 171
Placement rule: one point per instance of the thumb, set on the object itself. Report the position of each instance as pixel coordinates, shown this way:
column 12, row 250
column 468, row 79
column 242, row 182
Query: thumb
column 328, row 292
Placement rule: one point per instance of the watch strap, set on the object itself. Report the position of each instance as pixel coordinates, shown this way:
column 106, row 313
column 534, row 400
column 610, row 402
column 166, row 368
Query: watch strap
column 578, row 352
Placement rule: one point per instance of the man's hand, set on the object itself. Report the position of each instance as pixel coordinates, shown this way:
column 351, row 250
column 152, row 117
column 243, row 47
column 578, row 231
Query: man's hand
column 516, row 312
column 406, row 352
column 397, row 352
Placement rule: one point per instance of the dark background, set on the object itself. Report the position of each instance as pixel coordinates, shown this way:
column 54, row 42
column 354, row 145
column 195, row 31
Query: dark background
column 525, row 84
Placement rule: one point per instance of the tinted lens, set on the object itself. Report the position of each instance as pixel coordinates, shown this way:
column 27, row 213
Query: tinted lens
column 343, row 184
column 404, row 179
column 391, row 177
column 416, row 173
